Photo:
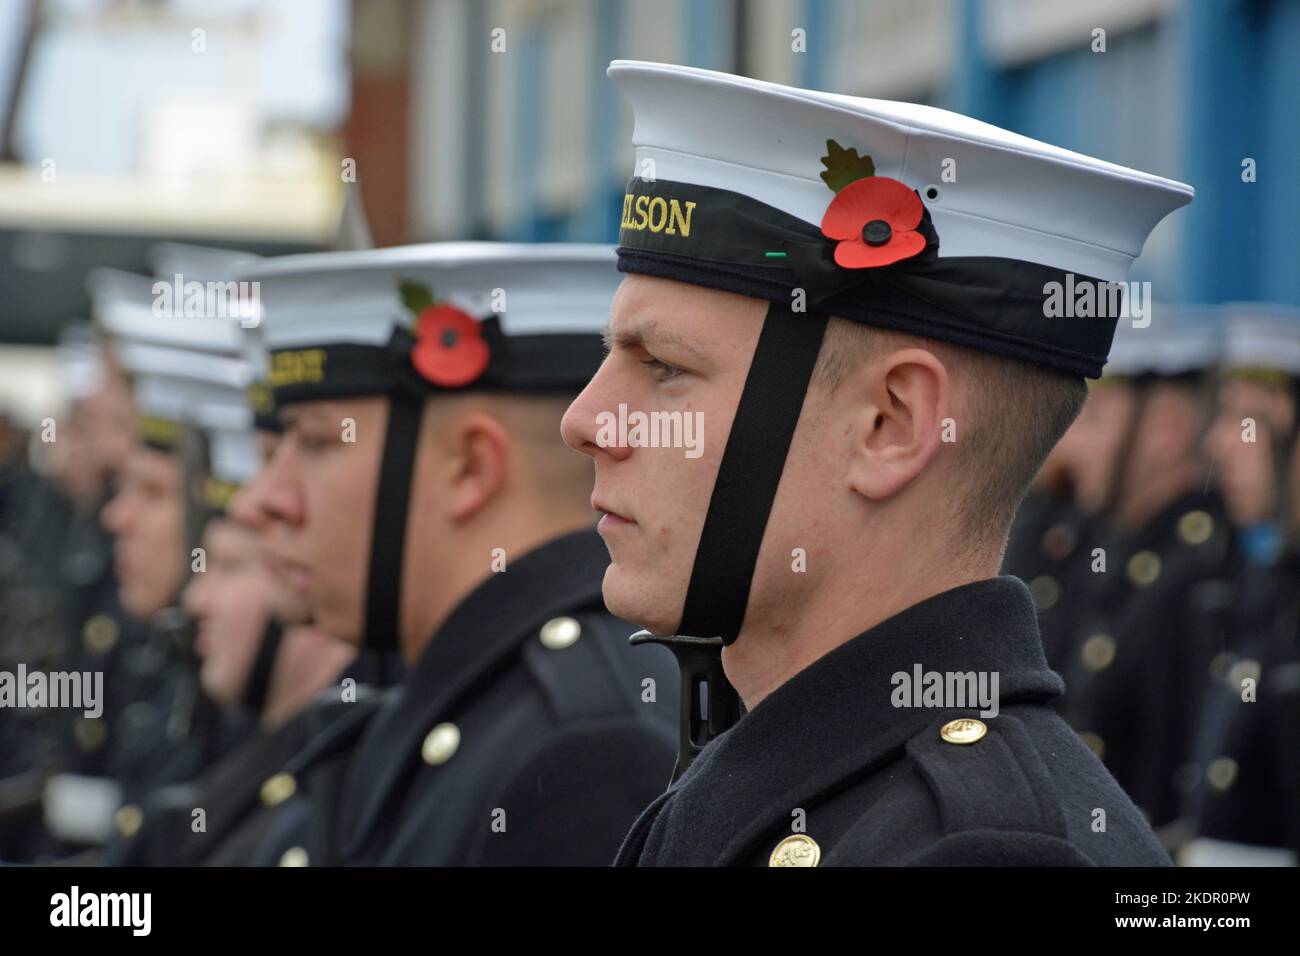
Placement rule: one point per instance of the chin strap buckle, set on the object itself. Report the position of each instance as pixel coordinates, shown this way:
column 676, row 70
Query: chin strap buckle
column 709, row 704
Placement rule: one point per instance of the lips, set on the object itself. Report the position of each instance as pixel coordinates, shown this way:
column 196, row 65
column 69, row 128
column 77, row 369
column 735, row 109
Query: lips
column 202, row 643
column 296, row 574
column 121, row 564
column 608, row 512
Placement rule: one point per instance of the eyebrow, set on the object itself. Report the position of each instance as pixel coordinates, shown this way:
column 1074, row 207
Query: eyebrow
column 647, row 335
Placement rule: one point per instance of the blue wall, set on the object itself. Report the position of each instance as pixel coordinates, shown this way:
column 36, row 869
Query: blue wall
column 1188, row 97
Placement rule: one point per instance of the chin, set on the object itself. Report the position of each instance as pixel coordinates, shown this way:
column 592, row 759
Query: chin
column 139, row 605
column 341, row 624
column 627, row 601
column 214, row 691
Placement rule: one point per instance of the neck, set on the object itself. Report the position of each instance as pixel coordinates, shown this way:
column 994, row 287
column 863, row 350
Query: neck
column 495, row 542
column 307, row 661
column 775, row 645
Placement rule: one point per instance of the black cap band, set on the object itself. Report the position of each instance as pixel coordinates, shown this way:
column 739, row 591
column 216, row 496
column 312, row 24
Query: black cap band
column 262, row 400
column 724, row 240
column 517, row 363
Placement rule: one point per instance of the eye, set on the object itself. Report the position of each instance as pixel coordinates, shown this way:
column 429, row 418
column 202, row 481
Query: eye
column 663, row 370
column 313, row 443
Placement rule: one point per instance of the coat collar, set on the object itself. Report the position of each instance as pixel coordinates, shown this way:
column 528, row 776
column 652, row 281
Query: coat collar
column 562, row 576
column 833, row 720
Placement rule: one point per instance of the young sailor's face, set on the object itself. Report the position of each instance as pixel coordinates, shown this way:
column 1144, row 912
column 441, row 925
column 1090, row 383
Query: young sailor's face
column 290, row 606
column 678, row 357
column 147, row 518
column 1240, row 442
column 320, row 488
column 231, row 603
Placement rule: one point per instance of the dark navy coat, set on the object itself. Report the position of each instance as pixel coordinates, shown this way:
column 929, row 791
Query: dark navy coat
column 827, row 770
column 528, row 733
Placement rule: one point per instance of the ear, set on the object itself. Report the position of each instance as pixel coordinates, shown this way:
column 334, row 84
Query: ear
column 476, row 451
column 902, row 400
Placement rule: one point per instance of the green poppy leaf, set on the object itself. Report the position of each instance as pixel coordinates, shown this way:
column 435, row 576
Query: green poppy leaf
column 415, row 296
column 844, row 166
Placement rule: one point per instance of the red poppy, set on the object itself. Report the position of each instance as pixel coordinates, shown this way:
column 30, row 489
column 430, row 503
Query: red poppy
column 875, row 219
column 449, row 347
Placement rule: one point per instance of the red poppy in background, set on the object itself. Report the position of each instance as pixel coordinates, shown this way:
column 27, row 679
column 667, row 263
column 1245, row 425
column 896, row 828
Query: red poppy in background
column 449, row 347
column 875, row 219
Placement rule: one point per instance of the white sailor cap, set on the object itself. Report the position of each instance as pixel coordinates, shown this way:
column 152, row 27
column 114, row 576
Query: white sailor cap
column 1179, row 340
column 176, row 388
column 1263, row 337
column 186, row 371
column 419, row 319
column 131, row 307
column 202, row 263
column 81, row 362
column 891, row 214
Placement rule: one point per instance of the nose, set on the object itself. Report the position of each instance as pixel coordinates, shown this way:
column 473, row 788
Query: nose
column 1212, row 444
column 192, row 598
column 277, row 494
column 114, row 515
column 581, row 425
column 246, row 505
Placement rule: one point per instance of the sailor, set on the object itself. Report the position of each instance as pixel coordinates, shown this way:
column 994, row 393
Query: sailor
column 1245, row 774
column 882, row 357
column 426, row 506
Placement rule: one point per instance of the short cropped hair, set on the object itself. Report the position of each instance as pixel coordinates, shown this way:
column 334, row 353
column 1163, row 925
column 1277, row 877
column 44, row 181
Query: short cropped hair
column 1019, row 411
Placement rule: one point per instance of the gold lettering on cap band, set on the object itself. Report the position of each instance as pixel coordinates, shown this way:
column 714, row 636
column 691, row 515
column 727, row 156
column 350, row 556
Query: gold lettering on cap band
column 297, row 367
column 217, row 493
column 657, row 214
column 259, row 396
column 158, row 431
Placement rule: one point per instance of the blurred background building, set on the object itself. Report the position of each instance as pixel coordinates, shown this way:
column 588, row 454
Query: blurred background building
column 243, row 122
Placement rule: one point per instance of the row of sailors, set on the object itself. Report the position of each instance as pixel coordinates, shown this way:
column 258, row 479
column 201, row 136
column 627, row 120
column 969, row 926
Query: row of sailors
column 1162, row 546
column 363, row 622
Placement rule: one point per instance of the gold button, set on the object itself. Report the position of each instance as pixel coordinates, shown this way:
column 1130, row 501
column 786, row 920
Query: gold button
column 797, row 850
column 1045, row 591
column 1244, row 668
column 1195, row 527
column 560, row 632
column 963, row 730
column 1098, row 652
column 440, row 744
column 99, row 634
column 1144, row 568
column 278, row 789
column 1221, row 773
column 1221, row 665
column 1094, row 743
column 294, row 856
column 90, row 733
column 128, row 820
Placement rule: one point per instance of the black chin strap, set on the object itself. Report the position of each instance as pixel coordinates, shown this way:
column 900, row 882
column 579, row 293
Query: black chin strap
column 750, row 471
column 259, row 678
column 743, row 493
column 388, row 544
